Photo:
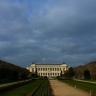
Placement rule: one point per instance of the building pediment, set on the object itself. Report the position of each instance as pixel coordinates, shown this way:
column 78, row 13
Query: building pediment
column 64, row 65
column 33, row 65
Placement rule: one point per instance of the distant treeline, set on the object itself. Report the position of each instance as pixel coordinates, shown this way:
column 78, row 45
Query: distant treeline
column 12, row 72
column 91, row 67
column 87, row 71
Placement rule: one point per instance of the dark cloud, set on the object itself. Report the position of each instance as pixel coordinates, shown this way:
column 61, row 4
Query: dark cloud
column 52, row 32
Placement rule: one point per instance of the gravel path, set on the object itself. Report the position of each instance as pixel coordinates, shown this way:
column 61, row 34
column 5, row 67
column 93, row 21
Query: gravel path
column 62, row 89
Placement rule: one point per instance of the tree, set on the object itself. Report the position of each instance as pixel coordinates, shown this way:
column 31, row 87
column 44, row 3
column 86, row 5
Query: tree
column 70, row 73
column 34, row 74
column 87, row 74
column 10, row 71
column 61, row 73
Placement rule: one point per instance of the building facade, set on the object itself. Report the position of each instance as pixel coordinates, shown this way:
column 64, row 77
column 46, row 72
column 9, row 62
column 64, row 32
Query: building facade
column 49, row 70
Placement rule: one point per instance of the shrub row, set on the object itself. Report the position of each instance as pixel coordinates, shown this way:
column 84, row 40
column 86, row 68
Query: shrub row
column 42, row 90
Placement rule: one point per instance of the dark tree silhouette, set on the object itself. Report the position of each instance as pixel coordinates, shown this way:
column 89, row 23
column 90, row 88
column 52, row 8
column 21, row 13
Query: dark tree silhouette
column 10, row 71
column 70, row 73
column 61, row 73
column 87, row 74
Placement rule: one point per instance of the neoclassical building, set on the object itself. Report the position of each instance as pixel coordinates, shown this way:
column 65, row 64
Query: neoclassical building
column 49, row 70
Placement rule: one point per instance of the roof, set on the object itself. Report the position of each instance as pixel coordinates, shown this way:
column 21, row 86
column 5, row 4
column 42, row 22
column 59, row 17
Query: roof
column 49, row 64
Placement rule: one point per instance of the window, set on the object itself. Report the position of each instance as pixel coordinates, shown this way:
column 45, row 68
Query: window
column 33, row 70
column 38, row 69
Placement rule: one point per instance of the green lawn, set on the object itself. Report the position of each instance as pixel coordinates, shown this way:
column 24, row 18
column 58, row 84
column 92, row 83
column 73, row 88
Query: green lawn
column 93, row 80
column 21, row 91
column 7, row 81
column 82, row 85
column 90, row 80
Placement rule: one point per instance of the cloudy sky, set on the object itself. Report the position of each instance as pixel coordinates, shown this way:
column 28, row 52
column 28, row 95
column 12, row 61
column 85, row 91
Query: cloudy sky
column 48, row 31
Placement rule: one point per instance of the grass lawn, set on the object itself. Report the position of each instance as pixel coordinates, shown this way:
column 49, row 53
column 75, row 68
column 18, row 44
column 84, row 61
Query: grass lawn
column 7, row 81
column 90, row 80
column 21, row 91
column 82, row 85
column 93, row 80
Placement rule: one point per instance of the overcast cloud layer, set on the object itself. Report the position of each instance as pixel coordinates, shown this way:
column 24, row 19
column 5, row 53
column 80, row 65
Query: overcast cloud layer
column 48, row 31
